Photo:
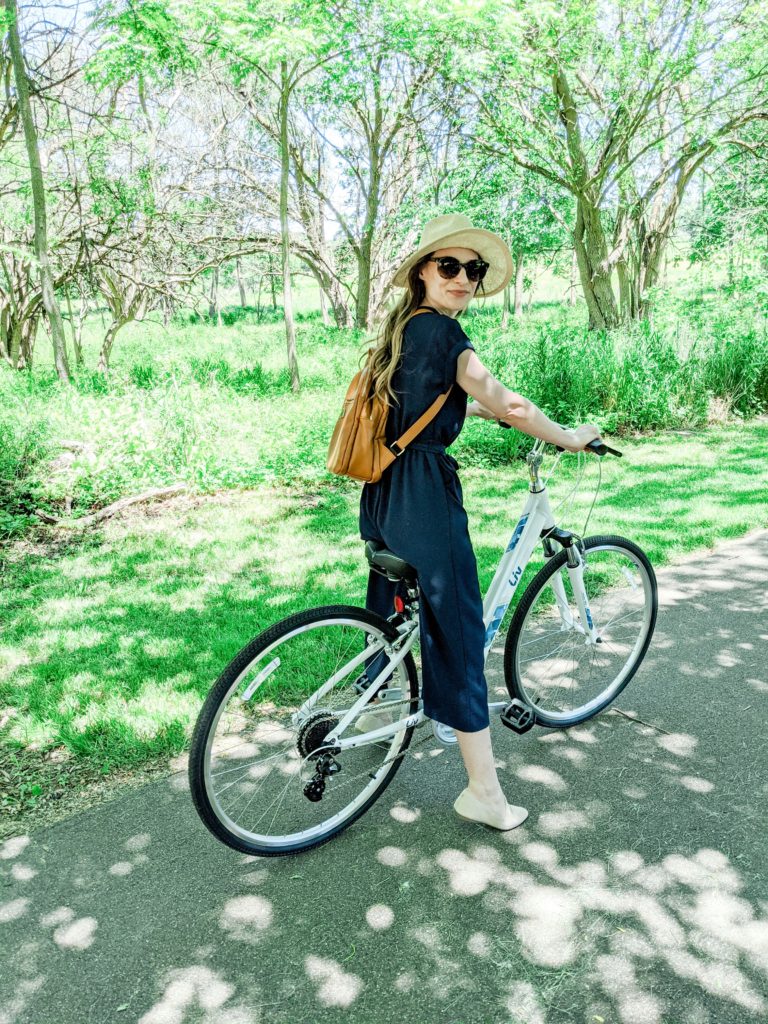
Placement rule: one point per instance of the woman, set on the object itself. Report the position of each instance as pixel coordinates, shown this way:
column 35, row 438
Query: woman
column 416, row 508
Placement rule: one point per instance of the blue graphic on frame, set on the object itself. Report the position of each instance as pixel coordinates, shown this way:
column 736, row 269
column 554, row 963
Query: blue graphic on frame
column 494, row 624
column 517, row 534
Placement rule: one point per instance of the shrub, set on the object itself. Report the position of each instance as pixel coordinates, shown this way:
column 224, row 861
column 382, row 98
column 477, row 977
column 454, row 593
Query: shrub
column 223, row 419
column 143, row 375
column 25, row 448
column 736, row 369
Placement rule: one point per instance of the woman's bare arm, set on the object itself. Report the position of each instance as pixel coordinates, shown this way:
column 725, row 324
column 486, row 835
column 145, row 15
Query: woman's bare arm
column 515, row 409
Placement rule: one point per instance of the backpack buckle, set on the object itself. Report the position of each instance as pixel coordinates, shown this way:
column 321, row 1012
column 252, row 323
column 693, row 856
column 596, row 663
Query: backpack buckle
column 395, row 445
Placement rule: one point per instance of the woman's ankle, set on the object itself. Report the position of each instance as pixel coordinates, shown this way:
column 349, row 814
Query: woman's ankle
column 487, row 793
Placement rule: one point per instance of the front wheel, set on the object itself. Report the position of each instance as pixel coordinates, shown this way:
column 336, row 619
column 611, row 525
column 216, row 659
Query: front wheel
column 259, row 737
column 568, row 670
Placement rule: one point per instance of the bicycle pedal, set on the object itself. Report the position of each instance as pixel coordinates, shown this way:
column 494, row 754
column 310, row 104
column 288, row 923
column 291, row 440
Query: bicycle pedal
column 518, row 716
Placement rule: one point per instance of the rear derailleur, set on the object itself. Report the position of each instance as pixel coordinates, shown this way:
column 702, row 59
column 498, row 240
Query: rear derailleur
column 326, row 765
column 311, row 737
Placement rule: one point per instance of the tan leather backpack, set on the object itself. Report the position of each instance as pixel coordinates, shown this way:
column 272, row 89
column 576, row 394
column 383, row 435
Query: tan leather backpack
column 358, row 447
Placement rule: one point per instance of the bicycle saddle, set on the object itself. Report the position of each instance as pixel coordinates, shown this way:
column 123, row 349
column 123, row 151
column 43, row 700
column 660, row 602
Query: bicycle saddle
column 386, row 562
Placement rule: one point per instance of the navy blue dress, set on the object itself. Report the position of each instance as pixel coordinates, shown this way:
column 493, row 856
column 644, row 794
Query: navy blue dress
column 417, row 510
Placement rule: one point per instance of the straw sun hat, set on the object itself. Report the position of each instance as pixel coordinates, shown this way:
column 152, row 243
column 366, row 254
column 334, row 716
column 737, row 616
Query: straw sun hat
column 454, row 229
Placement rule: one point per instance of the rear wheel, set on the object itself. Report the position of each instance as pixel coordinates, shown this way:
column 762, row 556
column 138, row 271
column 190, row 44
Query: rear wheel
column 550, row 662
column 257, row 744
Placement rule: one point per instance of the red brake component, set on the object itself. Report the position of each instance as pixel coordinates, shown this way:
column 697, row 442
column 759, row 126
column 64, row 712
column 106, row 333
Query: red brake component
column 399, row 605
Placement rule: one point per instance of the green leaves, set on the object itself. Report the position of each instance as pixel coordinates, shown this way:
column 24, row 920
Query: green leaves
column 138, row 40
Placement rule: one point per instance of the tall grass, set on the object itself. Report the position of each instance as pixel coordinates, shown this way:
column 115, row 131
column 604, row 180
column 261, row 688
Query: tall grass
column 25, row 450
column 212, row 407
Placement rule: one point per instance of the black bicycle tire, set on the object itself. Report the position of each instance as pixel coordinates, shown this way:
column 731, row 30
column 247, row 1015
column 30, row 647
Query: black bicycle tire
column 222, row 686
column 542, row 577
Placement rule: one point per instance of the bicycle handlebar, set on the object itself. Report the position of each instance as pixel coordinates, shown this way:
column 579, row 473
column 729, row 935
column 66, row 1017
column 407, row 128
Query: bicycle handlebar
column 598, row 446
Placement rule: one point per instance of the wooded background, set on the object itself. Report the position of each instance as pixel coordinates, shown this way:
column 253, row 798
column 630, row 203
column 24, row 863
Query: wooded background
column 151, row 153
column 202, row 204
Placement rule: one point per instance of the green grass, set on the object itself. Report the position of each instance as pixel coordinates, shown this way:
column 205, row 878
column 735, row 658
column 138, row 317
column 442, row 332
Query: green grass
column 112, row 638
column 212, row 407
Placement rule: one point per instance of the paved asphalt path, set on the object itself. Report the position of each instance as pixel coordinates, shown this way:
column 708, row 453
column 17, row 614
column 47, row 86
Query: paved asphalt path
column 635, row 893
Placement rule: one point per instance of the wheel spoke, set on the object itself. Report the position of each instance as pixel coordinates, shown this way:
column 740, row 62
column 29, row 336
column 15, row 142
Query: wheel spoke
column 550, row 654
column 257, row 802
column 574, row 682
column 543, row 636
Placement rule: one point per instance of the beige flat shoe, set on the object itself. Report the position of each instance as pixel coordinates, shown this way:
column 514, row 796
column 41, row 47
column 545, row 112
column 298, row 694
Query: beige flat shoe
column 468, row 807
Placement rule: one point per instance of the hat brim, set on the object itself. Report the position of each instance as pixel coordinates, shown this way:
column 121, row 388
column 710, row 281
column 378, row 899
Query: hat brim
column 488, row 245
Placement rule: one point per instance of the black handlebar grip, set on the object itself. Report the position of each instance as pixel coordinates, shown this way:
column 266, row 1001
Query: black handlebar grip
column 598, row 446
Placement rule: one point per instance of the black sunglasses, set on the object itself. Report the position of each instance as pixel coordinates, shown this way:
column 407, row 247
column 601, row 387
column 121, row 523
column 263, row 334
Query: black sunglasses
column 449, row 266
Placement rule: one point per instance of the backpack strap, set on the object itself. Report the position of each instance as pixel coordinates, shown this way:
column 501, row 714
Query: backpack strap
column 413, row 431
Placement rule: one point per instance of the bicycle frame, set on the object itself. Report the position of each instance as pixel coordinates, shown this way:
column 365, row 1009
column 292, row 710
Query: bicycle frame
column 536, row 520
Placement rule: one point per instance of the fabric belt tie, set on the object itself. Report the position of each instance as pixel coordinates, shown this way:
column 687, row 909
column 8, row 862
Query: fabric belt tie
column 425, row 446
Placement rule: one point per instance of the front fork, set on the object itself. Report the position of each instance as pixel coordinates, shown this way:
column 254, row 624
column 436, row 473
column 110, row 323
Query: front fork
column 575, row 566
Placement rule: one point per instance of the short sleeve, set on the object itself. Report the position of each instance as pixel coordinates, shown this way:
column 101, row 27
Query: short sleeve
column 453, row 342
column 433, row 344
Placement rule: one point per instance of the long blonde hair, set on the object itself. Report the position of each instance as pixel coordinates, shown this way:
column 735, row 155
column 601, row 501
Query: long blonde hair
column 388, row 341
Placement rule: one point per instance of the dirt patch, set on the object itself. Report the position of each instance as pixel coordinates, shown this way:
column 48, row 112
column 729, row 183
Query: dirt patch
column 42, row 788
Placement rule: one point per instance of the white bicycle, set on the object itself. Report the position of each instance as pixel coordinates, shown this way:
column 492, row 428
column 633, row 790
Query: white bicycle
column 276, row 765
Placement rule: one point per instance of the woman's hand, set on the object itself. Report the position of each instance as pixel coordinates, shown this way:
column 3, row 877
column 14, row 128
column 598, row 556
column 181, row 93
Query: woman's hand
column 580, row 437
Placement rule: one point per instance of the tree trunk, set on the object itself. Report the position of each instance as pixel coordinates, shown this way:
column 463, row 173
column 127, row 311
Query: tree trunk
column 649, row 278
column 27, row 335
column 323, row 307
column 23, row 331
column 518, row 284
column 38, row 195
column 362, row 305
column 241, row 287
column 271, row 275
column 16, row 338
column 341, row 311
column 290, row 330
column 5, row 340
column 214, row 313
column 77, row 330
column 371, row 214
column 85, row 308
column 594, row 272
column 574, row 276
column 626, row 303
column 109, row 340
column 258, row 297
column 505, row 299
column 366, row 241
